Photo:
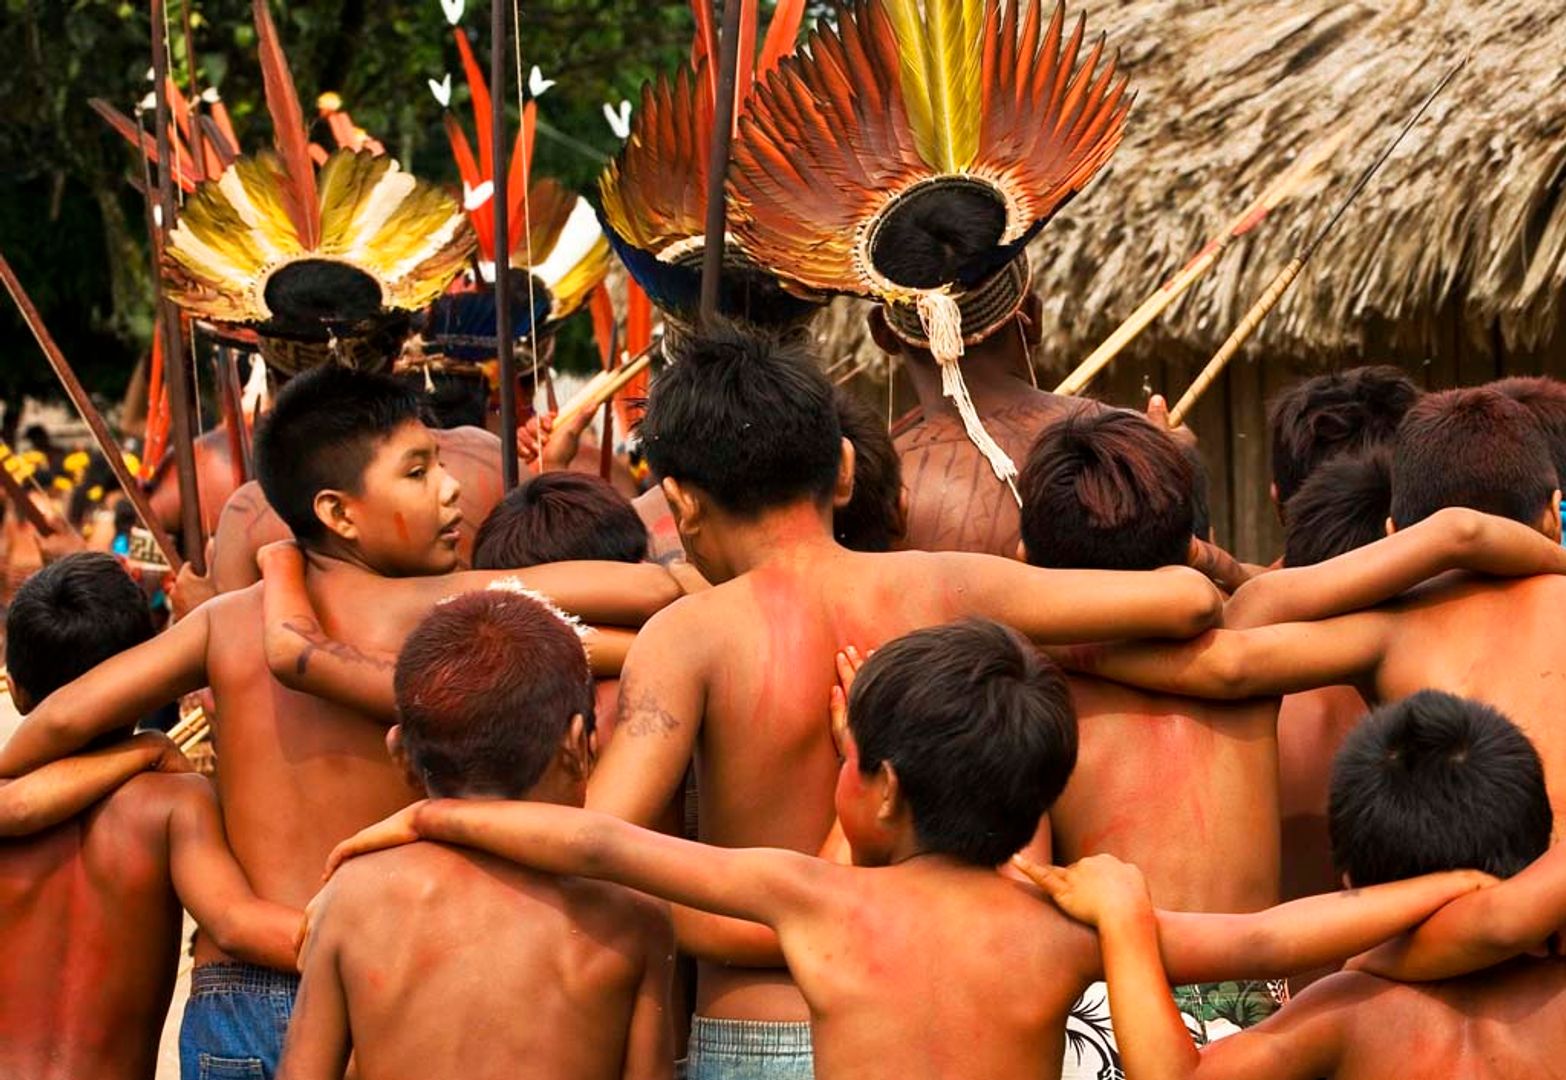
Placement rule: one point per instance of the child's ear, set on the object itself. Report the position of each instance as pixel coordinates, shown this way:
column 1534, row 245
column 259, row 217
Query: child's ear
column 1551, row 525
column 1272, row 493
column 579, row 749
column 891, row 794
column 1022, row 551
column 1030, row 316
column 1391, row 526
column 685, row 504
column 844, row 491
column 398, row 751
column 331, row 510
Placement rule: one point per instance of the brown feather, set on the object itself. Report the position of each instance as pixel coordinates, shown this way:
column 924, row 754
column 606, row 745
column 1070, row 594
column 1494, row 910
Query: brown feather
column 288, row 130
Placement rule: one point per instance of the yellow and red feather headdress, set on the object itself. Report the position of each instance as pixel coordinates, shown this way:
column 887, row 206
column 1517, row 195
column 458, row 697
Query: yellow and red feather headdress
column 322, row 260
column 900, row 113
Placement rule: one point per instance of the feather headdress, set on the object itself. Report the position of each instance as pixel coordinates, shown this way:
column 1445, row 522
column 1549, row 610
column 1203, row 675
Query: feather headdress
column 655, row 190
column 550, row 231
column 336, row 264
column 910, row 153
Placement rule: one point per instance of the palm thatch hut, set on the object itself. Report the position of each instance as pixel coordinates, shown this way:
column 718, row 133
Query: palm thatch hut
column 1451, row 264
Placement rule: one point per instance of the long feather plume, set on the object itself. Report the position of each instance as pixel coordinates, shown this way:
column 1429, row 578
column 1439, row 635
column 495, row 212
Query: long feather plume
column 953, row 57
column 478, row 89
column 288, row 130
column 782, row 33
column 704, row 48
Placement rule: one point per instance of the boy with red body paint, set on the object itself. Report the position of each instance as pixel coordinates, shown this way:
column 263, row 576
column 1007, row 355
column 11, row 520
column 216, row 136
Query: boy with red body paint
column 919, row 961
column 342, row 454
column 96, row 848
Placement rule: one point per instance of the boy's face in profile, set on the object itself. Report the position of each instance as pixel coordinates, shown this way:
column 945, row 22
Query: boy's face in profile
column 405, row 513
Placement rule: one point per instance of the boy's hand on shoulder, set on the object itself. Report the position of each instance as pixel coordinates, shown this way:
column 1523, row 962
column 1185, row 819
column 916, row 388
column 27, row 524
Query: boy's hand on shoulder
column 1095, row 890
column 849, row 661
column 687, row 577
column 395, row 831
column 166, row 756
column 280, row 555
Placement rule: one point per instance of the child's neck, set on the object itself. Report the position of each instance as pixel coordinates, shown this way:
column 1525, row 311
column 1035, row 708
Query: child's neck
column 794, row 534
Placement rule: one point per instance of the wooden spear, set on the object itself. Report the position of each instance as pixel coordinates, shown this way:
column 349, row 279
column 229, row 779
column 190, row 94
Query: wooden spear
column 1170, row 291
column 718, row 161
column 89, row 412
column 176, row 362
column 1285, row 277
column 505, row 350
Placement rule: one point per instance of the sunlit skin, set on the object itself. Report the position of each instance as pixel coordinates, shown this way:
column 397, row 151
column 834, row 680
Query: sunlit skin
column 301, row 772
column 215, row 481
column 248, row 524
column 1311, row 727
column 551, row 976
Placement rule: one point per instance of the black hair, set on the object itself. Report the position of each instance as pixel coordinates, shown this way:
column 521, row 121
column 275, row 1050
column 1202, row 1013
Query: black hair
column 873, row 518
column 1436, row 782
column 1106, row 490
column 560, row 516
column 321, row 435
column 747, row 417
column 68, row 618
column 1343, row 506
column 1322, row 416
column 486, row 688
column 979, row 728
column 457, row 400
column 1545, row 399
column 1473, row 447
column 937, row 234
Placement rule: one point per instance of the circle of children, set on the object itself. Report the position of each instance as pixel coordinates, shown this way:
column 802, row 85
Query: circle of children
column 829, row 755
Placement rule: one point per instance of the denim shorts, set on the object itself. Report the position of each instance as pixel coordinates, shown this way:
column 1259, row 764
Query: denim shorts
column 235, row 1022
column 749, row 1050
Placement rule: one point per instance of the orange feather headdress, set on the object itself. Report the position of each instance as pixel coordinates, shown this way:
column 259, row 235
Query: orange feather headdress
column 322, row 267
column 911, row 152
column 654, row 192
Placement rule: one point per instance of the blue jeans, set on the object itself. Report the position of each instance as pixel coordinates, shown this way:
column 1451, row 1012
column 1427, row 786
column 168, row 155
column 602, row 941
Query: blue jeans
column 749, row 1050
column 235, row 1022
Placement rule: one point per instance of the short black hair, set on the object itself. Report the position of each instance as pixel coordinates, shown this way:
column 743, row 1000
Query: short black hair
column 486, row 688
column 747, row 417
column 1106, row 490
column 560, row 516
column 321, row 434
column 1324, row 415
column 979, row 728
column 1343, row 506
column 873, row 518
column 1545, row 399
column 1436, row 782
column 68, row 618
column 1472, row 447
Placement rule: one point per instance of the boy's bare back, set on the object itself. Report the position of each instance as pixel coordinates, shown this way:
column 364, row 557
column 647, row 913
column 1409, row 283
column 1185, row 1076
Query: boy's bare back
column 1186, row 790
column 455, row 964
column 91, row 929
column 1495, row 1025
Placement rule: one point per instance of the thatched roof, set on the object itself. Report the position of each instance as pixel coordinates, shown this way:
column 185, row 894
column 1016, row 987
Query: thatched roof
column 1458, row 245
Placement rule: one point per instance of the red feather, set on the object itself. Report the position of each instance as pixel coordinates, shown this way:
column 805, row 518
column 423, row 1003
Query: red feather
column 288, row 130
column 129, row 131
column 520, row 174
column 705, row 47
column 484, row 218
column 479, row 89
column 746, row 60
column 602, row 310
column 782, row 33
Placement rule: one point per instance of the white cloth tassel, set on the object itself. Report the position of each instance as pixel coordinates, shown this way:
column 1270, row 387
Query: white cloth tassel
column 953, row 386
column 942, row 321
column 255, row 392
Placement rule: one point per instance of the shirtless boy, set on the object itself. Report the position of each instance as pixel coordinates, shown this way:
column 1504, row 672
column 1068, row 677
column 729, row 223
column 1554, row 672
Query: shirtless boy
column 98, row 845
column 447, row 964
column 1432, row 782
column 357, row 477
column 919, row 961
column 1495, row 642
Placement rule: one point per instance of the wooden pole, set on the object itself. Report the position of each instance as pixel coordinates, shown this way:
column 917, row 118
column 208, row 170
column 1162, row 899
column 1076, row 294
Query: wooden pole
column 89, row 412
column 1285, row 277
column 176, row 362
column 718, row 161
column 505, row 350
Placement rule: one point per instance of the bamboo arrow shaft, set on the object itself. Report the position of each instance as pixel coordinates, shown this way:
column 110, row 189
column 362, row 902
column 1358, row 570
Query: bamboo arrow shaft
column 89, row 412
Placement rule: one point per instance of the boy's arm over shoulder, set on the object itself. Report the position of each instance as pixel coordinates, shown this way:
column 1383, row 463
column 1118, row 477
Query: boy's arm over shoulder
column 1455, row 538
column 611, row 593
column 320, row 1041
column 649, row 1047
column 1228, row 665
column 60, row 790
column 662, row 701
column 212, row 885
column 246, row 524
column 114, row 695
column 1066, row 606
